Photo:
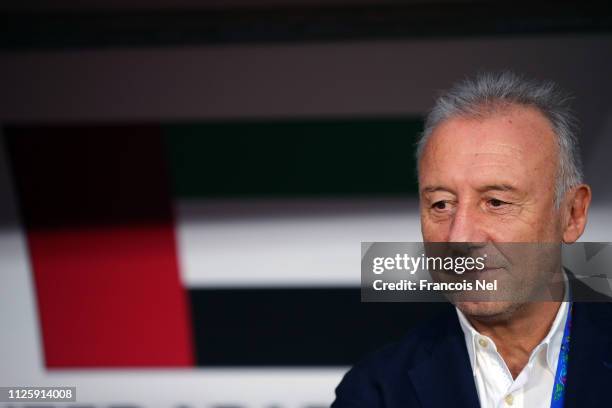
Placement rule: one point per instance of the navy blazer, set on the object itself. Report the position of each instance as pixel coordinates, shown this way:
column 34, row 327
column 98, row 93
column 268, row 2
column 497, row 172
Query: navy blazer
column 430, row 367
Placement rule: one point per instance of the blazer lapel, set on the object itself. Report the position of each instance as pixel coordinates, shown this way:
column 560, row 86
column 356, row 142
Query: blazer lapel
column 589, row 372
column 444, row 378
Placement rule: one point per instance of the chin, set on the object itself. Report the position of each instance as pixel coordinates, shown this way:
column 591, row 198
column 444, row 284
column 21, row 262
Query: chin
column 487, row 310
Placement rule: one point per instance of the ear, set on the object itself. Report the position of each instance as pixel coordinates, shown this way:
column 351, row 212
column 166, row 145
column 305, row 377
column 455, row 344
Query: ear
column 576, row 212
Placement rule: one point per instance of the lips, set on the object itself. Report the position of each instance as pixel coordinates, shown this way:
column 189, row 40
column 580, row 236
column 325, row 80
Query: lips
column 486, row 270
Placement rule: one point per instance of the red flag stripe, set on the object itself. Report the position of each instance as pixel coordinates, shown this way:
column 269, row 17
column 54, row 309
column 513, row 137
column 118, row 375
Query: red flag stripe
column 97, row 209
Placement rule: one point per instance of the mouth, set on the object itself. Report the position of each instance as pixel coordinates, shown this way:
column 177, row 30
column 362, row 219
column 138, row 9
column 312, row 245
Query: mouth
column 486, row 271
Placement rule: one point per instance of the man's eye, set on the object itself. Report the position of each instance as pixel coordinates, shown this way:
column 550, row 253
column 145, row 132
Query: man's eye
column 494, row 202
column 439, row 205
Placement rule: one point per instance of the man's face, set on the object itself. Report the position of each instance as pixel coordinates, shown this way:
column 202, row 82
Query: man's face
column 491, row 180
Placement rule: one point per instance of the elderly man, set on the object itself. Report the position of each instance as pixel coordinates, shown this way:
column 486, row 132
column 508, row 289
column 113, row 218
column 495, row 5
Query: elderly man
column 498, row 162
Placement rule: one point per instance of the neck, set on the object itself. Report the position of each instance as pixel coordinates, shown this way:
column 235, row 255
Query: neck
column 517, row 336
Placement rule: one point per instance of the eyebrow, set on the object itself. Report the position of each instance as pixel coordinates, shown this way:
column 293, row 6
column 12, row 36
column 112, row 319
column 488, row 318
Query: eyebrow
column 497, row 187
column 433, row 189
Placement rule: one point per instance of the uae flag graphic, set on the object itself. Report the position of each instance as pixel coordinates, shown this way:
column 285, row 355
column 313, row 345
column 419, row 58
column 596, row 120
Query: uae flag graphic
column 213, row 243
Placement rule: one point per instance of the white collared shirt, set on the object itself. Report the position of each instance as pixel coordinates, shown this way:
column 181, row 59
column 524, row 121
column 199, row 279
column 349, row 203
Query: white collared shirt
column 532, row 388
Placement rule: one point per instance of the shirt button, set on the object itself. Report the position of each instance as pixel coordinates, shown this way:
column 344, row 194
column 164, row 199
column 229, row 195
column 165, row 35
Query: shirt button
column 509, row 399
column 483, row 342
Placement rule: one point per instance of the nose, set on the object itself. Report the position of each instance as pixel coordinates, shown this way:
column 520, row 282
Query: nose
column 467, row 225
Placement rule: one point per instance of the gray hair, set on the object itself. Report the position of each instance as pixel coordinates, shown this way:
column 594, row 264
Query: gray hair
column 488, row 93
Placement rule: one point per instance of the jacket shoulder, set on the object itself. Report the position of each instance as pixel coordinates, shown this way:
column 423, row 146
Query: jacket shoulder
column 385, row 371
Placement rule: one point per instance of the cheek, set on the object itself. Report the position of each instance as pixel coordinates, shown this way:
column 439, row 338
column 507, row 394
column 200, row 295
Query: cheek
column 542, row 228
column 547, row 226
column 434, row 230
column 552, row 231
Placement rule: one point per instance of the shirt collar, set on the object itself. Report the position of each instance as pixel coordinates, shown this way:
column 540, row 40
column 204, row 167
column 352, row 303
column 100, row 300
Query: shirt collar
column 552, row 341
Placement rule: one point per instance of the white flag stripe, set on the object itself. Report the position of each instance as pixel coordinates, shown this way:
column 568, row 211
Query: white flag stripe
column 320, row 246
column 20, row 346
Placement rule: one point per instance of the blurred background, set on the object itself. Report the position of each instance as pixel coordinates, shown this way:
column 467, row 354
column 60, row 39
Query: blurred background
column 184, row 185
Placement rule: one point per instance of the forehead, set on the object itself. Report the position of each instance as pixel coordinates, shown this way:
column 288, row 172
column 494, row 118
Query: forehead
column 515, row 143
